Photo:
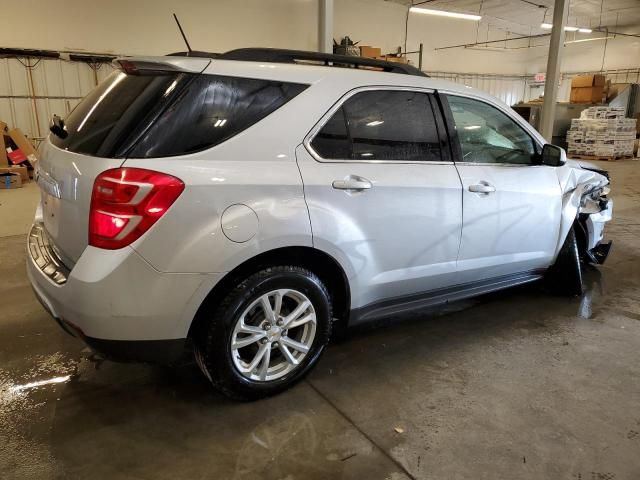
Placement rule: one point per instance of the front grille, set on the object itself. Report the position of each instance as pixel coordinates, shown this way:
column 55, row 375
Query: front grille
column 45, row 257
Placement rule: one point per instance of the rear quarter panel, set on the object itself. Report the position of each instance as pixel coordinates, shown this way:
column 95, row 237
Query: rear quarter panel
column 256, row 168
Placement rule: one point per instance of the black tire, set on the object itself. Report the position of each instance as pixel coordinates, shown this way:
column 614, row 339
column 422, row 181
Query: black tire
column 565, row 276
column 213, row 345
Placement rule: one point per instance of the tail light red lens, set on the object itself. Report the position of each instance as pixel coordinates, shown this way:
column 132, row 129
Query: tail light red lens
column 126, row 202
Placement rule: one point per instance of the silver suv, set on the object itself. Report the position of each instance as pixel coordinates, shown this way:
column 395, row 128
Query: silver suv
column 244, row 204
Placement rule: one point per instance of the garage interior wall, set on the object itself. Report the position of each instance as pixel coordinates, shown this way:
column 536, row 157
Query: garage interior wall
column 146, row 27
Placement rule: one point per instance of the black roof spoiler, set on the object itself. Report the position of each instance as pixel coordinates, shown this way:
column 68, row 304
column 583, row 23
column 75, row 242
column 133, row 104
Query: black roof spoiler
column 277, row 55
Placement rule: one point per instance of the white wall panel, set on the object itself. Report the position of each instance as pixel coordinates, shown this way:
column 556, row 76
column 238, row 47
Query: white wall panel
column 58, row 85
column 509, row 89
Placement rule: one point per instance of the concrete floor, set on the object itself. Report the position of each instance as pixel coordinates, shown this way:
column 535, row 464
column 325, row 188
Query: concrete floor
column 515, row 385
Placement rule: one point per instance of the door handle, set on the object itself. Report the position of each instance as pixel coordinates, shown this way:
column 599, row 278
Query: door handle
column 352, row 182
column 482, row 187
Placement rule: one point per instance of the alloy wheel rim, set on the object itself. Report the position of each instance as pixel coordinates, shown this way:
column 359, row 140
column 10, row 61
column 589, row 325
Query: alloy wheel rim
column 273, row 335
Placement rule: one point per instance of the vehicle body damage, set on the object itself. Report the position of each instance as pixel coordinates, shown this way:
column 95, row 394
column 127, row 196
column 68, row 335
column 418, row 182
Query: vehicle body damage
column 586, row 205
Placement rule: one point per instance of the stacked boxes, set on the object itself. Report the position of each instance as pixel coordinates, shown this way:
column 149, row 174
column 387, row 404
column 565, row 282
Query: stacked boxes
column 587, row 89
column 603, row 132
column 603, row 112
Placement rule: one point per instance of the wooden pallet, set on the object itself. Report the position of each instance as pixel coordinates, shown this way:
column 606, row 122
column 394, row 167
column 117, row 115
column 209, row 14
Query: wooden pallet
column 601, row 158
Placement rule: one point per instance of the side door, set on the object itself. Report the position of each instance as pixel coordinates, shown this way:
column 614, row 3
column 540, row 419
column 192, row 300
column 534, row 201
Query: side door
column 383, row 196
column 511, row 203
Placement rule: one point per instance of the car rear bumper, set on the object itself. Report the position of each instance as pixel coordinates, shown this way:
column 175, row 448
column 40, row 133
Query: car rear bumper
column 115, row 301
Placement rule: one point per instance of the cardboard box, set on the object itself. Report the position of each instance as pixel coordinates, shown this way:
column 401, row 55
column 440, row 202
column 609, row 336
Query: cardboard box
column 586, row 94
column 23, row 144
column 582, row 81
column 22, row 171
column 4, row 161
column 370, row 52
column 10, row 180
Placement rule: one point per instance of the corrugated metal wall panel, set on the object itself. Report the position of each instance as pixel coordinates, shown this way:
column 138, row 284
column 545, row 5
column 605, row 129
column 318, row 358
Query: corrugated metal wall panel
column 509, row 89
column 58, row 86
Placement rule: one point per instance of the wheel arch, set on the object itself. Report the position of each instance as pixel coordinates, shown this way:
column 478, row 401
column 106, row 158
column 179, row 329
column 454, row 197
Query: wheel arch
column 319, row 262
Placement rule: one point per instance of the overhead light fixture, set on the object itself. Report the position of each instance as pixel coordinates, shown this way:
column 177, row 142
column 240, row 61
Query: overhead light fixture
column 374, row 123
column 444, row 13
column 548, row 26
column 588, row 40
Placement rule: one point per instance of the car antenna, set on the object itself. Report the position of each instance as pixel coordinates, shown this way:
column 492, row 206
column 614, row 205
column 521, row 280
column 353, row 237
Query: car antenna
column 182, row 33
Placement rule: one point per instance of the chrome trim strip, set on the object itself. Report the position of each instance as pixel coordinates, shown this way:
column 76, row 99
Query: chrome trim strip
column 489, row 164
column 44, row 255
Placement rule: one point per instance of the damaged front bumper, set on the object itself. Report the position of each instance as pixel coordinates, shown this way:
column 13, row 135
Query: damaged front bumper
column 595, row 211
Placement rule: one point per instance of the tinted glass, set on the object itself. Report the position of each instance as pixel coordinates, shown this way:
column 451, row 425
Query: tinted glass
column 168, row 114
column 489, row 136
column 104, row 121
column 333, row 140
column 381, row 125
column 211, row 110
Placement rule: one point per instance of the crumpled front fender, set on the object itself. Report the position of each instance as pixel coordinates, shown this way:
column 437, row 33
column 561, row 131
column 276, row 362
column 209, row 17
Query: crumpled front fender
column 575, row 182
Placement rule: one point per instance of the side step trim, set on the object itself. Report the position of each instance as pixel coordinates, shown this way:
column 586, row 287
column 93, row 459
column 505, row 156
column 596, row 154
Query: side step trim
column 441, row 296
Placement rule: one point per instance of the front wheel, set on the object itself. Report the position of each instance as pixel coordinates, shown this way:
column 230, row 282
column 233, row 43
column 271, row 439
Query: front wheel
column 267, row 334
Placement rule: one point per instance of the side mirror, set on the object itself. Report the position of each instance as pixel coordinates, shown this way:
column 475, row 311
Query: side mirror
column 57, row 127
column 553, row 156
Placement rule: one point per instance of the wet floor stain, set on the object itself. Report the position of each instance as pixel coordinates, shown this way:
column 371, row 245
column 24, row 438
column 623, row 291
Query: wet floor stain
column 23, row 401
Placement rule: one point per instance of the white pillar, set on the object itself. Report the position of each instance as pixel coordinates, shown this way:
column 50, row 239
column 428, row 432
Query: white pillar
column 325, row 26
column 560, row 11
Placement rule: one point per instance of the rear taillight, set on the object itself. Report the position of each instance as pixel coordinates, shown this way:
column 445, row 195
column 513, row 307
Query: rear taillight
column 126, row 202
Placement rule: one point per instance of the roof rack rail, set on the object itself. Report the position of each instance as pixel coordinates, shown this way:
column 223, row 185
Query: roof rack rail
column 277, row 55
column 194, row 53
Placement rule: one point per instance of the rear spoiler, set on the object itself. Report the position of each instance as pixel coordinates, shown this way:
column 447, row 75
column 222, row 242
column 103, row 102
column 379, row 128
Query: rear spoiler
column 151, row 65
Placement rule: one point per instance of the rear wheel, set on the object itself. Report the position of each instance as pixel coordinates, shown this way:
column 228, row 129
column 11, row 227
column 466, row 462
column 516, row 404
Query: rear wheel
column 266, row 334
column 565, row 276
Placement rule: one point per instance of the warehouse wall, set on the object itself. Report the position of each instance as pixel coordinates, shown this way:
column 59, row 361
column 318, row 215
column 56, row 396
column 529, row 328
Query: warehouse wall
column 146, row 27
column 618, row 53
column 59, row 85
column 383, row 24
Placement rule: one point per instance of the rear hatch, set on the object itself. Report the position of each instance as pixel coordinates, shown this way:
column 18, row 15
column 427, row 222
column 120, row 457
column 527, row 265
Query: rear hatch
column 98, row 135
column 150, row 108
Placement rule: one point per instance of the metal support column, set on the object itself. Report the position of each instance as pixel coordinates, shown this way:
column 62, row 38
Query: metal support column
column 560, row 12
column 325, row 26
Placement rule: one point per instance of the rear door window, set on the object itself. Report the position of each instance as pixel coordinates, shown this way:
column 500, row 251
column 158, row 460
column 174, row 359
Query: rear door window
column 392, row 125
column 168, row 114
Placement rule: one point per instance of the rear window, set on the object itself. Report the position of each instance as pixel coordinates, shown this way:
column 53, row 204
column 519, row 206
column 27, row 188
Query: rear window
column 160, row 115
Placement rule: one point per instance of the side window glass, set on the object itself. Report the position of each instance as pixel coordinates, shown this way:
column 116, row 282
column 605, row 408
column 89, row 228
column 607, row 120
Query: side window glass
column 392, row 125
column 333, row 140
column 381, row 125
column 487, row 135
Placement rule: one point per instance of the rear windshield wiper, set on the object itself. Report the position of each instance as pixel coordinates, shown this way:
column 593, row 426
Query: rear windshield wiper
column 57, row 127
